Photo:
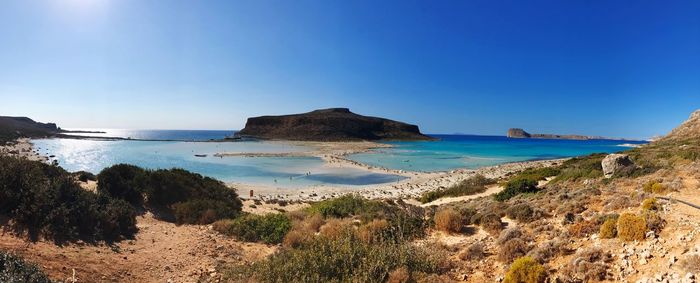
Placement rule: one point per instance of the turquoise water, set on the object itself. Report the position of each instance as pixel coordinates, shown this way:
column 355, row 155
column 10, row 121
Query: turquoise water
column 93, row 156
column 464, row 151
column 179, row 135
column 450, row 152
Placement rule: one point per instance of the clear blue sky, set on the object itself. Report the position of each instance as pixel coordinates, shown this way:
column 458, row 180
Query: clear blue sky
column 613, row 68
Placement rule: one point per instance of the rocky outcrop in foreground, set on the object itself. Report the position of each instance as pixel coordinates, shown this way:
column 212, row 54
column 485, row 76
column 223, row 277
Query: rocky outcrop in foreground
column 613, row 163
column 335, row 124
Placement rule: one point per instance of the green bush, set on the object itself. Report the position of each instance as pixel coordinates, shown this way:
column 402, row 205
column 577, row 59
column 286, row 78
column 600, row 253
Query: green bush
column 174, row 194
column 270, row 228
column 473, row 185
column 45, row 200
column 123, row 181
column 348, row 205
column 578, row 168
column 203, row 211
column 538, row 174
column 525, row 270
column 515, row 187
column 15, row 269
column 345, row 258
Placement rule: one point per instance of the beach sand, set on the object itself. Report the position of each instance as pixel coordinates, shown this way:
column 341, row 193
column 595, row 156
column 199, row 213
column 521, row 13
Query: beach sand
column 335, row 156
column 22, row 148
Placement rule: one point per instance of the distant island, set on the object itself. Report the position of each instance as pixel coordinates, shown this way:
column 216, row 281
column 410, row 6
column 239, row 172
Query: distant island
column 334, row 124
column 522, row 134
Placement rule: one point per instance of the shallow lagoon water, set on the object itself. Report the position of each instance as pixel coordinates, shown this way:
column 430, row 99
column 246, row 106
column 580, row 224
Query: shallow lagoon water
column 450, row 152
column 94, row 155
column 466, row 151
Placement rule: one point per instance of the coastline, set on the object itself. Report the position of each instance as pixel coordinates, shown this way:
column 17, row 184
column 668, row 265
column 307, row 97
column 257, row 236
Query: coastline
column 334, row 155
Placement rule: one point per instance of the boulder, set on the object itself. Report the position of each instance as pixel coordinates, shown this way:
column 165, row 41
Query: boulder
column 614, row 162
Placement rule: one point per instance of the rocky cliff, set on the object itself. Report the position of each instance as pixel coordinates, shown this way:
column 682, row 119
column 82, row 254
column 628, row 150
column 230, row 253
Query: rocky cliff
column 335, row 124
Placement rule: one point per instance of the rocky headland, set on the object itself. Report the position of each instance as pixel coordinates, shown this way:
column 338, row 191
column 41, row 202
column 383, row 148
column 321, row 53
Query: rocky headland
column 522, row 134
column 334, row 124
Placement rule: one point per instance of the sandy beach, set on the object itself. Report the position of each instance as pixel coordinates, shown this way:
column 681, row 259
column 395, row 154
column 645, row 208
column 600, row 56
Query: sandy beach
column 22, row 148
column 335, row 155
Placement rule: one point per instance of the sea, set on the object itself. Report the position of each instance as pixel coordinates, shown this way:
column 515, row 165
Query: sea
column 194, row 150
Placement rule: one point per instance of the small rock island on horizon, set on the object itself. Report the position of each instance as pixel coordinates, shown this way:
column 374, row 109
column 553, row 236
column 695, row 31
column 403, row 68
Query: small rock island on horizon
column 333, row 124
column 519, row 133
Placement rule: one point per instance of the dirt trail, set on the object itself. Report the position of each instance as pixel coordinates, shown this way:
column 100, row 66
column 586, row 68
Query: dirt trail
column 161, row 251
column 489, row 191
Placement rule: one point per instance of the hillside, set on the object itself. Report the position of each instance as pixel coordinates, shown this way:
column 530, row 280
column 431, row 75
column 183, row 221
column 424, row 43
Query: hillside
column 16, row 127
column 689, row 129
column 335, row 124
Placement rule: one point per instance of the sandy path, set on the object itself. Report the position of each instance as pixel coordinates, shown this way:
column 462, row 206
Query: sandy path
column 489, row 191
column 161, row 251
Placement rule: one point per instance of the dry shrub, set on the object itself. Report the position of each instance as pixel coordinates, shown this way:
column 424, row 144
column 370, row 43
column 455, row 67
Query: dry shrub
column 525, row 270
column 654, row 186
column 647, row 186
column 631, row 227
column 374, row 231
column 475, row 251
column 491, row 223
column 222, row 226
column 297, row 215
column 659, row 188
column 468, row 214
column 609, row 229
column 512, row 249
column 650, row 204
column 549, row 250
column 654, row 221
column 296, row 238
column 545, row 229
column 691, row 263
column 448, row 220
column 574, row 207
column 618, row 202
column 523, row 213
column 588, row 265
column 400, row 275
column 314, row 222
column 335, row 228
column 584, row 228
column 512, row 233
